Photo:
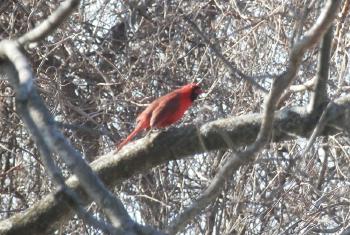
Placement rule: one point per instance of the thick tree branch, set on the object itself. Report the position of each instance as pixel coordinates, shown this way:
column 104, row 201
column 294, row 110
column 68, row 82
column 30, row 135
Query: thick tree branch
column 180, row 143
column 21, row 71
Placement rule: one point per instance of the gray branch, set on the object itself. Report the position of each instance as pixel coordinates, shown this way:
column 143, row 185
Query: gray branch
column 46, row 27
column 180, row 143
column 319, row 95
column 39, row 122
column 279, row 85
column 56, row 175
column 41, row 125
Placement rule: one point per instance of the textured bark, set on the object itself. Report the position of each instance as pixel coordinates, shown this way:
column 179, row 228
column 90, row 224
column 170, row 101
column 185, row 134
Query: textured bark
column 146, row 153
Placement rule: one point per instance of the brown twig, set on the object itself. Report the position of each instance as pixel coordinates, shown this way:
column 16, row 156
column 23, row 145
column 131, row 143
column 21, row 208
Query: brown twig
column 233, row 68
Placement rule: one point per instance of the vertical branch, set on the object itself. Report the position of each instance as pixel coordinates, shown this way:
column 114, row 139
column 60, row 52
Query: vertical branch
column 319, row 95
column 311, row 37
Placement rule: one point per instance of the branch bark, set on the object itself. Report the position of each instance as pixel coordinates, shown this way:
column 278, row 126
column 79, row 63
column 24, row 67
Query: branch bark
column 319, row 95
column 146, row 153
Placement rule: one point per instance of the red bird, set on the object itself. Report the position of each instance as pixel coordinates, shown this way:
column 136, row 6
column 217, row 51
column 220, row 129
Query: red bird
column 165, row 110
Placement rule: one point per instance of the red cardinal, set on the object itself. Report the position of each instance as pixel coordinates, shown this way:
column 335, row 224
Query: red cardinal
column 165, row 110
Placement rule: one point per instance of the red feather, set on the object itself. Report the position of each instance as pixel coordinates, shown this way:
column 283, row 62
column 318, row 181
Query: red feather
column 165, row 110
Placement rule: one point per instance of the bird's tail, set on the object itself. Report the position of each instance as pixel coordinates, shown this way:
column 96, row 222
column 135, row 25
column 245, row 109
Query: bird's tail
column 138, row 128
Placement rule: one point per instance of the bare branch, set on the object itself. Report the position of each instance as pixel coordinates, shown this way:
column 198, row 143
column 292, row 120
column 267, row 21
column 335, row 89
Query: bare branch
column 50, row 24
column 24, row 89
column 323, row 171
column 318, row 128
column 176, row 144
column 311, row 37
column 307, row 86
column 39, row 121
column 280, row 84
column 55, row 173
column 340, row 26
column 319, row 94
column 10, row 50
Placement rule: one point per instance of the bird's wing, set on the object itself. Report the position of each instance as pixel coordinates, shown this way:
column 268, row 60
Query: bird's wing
column 166, row 111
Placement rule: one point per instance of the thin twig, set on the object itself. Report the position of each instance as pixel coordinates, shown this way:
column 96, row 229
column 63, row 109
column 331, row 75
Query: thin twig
column 318, row 128
column 233, row 68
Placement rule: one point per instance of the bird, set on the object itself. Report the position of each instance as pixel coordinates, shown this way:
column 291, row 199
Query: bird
column 165, row 110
